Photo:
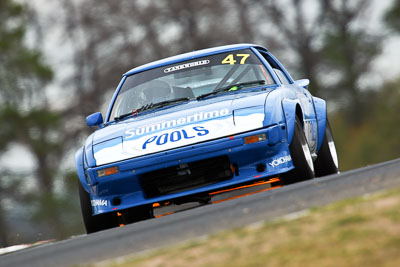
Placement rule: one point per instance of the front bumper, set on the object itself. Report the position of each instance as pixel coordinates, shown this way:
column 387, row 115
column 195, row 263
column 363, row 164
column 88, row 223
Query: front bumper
column 125, row 189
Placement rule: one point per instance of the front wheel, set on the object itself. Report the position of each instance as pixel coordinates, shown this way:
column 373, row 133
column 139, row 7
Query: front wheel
column 327, row 160
column 97, row 222
column 301, row 156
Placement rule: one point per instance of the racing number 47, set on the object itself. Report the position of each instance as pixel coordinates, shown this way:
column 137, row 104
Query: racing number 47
column 230, row 59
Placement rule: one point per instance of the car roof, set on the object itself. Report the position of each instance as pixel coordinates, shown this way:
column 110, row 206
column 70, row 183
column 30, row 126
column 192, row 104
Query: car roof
column 190, row 55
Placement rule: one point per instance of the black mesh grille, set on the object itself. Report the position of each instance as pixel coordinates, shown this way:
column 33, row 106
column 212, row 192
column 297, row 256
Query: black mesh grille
column 186, row 176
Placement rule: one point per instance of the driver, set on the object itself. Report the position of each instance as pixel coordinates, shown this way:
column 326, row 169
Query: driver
column 157, row 91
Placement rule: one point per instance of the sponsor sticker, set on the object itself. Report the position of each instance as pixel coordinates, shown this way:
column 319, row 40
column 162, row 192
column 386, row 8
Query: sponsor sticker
column 187, row 65
column 279, row 161
column 176, row 136
column 156, row 127
column 99, row 202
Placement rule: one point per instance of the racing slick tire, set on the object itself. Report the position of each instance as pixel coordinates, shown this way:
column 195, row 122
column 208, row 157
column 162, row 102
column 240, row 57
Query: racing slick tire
column 98, row 222
column 301, row 157
column 327, row 160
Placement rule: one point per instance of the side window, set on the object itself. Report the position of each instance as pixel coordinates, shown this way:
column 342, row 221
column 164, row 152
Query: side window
column 282, row 77
column 278, row 70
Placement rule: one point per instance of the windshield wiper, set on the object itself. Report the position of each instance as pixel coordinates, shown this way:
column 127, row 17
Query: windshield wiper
column 167, row 102
column 232, row 87
column 152, row 106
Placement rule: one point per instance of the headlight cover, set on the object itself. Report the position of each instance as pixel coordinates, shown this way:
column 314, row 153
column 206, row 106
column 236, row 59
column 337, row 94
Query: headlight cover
column 108, row 151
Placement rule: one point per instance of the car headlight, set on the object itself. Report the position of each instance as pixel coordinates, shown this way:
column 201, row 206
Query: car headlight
column 250, row 116
column 107, row 151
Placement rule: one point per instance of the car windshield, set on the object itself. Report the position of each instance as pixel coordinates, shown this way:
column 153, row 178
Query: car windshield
column 189, row 80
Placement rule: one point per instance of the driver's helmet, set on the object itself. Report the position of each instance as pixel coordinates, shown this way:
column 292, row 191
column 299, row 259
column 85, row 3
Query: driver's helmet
column 157, row 91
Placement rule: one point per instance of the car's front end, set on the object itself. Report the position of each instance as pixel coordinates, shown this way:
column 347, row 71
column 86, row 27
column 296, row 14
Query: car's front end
column 224, row 156
column 186, row 127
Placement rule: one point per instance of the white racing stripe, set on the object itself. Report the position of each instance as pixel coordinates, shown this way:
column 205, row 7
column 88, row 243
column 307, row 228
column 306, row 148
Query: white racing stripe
column 139, row 145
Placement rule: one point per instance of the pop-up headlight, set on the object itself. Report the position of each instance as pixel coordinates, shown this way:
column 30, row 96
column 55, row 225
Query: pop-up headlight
column 108, row 151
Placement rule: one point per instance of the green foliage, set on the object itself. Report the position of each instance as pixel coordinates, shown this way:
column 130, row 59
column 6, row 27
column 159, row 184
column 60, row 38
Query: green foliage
column 376, row 138
column 347, row 53
column 9, row 116
column 10, row 10
column 22, row 71
column 23, row 76
column 58, row 214
column 356, row 47
column 392, row 17
column 37, row 129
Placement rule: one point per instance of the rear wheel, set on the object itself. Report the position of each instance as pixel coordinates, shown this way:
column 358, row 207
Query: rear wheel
column 327, row 160
column 301, row 156
column 97, row 222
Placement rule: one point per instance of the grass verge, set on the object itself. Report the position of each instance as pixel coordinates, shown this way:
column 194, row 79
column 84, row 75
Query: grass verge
column 362, row 231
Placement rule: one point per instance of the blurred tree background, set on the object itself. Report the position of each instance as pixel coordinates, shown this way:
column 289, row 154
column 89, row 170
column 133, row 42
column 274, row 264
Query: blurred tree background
column 62, row 60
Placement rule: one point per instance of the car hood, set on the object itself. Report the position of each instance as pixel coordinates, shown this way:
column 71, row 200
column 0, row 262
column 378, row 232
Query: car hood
column 182, row 125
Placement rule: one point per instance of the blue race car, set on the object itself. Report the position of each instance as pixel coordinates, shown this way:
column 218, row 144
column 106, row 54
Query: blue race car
column 185, row 128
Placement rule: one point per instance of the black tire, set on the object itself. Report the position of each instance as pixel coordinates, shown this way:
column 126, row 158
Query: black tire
column 327, row 161
column 98, row 222
column 301, row 157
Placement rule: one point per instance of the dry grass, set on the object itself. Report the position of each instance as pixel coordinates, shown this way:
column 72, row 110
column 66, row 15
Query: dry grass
column 357, row 232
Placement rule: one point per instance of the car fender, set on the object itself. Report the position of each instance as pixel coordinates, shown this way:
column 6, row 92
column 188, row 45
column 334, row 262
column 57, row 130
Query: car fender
column 273, row 110
column 79, row 164
column 320, row 111
column 291, row 108
column 88, row 152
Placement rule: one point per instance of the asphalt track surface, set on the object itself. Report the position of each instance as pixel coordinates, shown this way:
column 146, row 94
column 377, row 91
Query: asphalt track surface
column 209, row 219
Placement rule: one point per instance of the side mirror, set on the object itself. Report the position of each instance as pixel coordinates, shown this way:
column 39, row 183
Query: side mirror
column 302, row 83
column 95, row 119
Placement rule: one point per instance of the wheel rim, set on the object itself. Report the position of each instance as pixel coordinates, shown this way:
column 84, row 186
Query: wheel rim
column 307, row 154
column 306, row 150
column 332, row 147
